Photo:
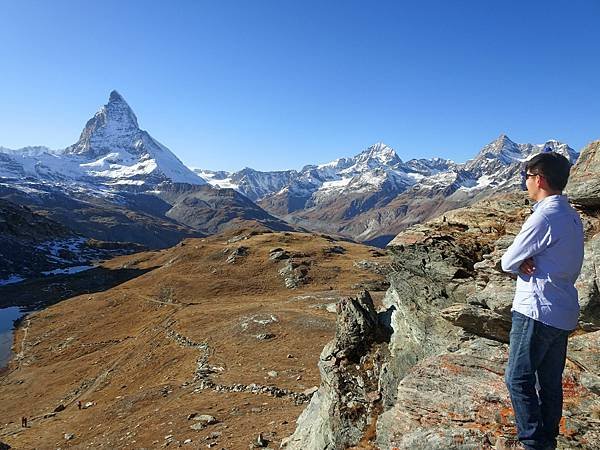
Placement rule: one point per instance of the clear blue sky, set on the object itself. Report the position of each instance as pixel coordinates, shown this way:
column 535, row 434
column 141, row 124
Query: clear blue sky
column 279, row 84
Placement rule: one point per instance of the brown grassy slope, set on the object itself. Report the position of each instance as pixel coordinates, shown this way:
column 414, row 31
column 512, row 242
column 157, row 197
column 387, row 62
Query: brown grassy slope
column 134, row 350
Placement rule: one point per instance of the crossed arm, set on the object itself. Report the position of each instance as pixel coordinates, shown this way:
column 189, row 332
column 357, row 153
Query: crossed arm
column 533, row 239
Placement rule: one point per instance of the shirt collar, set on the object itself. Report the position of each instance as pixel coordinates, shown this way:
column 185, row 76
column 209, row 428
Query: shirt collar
column 550, row 199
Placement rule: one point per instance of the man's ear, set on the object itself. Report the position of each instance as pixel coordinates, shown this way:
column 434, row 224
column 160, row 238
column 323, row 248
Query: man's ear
column 540, row 182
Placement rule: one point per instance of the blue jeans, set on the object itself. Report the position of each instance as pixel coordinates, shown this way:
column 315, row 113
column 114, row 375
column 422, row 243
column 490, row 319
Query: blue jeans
column 537, row 353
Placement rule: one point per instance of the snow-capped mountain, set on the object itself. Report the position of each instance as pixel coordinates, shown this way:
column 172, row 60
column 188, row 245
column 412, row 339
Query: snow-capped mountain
column 252, row 183
column 495, row 164
column 377, row 167
column 495, row 169
column 376, row 193
column 108, row 186
column 119, row 169
column 112, row 151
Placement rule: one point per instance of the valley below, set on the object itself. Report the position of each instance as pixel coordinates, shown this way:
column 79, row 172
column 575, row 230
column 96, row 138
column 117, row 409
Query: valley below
column 207, row 327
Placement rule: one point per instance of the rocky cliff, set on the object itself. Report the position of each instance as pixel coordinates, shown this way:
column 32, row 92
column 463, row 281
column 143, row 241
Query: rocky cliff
column 429, row 371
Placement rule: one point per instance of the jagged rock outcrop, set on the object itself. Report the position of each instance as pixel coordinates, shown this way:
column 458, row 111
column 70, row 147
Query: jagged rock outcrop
column 588, row 286
column 584, row 183
column 294, row 273
column 347, row 403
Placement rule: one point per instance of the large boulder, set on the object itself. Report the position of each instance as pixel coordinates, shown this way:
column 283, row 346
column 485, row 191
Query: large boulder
column 588, row 286
column 459, row 400
column 584, row 183
column 448, row 401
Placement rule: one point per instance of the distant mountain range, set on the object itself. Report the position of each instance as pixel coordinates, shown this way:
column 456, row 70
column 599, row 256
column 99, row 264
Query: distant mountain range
column 117, row 183
column 374, row 195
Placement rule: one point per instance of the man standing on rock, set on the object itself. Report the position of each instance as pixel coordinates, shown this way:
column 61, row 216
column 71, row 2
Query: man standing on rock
column 546, row 255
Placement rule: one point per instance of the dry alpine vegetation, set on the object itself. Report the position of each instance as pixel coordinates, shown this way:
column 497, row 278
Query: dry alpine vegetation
column 216, row 346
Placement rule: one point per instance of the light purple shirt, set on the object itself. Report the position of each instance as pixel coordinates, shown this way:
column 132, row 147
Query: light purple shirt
column 553, row 237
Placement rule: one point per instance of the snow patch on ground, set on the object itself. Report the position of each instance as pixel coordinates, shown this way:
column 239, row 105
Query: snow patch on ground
column 214, row 180
column 67, row 270
column 336, row 184
column 481, row 183
column 11, row 280
column 130, row 182
column 54, row 248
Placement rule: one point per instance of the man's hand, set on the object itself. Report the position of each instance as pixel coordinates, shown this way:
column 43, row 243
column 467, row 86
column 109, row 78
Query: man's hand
column 527, row 267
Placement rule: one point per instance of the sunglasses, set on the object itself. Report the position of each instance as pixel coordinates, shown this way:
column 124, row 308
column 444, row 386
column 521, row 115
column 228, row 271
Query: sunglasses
column 525, row 176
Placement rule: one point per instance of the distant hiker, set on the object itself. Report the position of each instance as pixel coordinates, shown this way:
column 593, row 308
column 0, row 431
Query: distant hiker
column 547, row 256
column 24, row 422
column 78, row 404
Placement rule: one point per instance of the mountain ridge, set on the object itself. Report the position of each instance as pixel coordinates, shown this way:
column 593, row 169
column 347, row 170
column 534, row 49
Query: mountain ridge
column 111, row 184
column 112, row 152
column 363, row 197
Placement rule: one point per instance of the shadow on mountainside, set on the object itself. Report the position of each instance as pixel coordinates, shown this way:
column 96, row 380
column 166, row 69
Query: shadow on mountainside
column 41, row 292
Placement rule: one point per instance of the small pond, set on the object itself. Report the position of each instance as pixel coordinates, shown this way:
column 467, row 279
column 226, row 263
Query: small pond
column 7, row 318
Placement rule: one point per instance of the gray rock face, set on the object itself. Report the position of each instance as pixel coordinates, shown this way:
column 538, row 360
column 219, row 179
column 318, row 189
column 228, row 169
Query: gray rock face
column 459, row 400
column 588, row 286
column 237, row 254
column 479, row 321
column 294, row 273
column 584, row 182
column 450, row 401
column 347, row 402
column 278, row 254
column 356, row 327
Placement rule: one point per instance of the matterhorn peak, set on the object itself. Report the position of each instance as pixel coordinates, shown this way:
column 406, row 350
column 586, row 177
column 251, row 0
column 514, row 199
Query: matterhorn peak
column 115, row 97
column 118, row 110
column 113, row 127
column 113, row 147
